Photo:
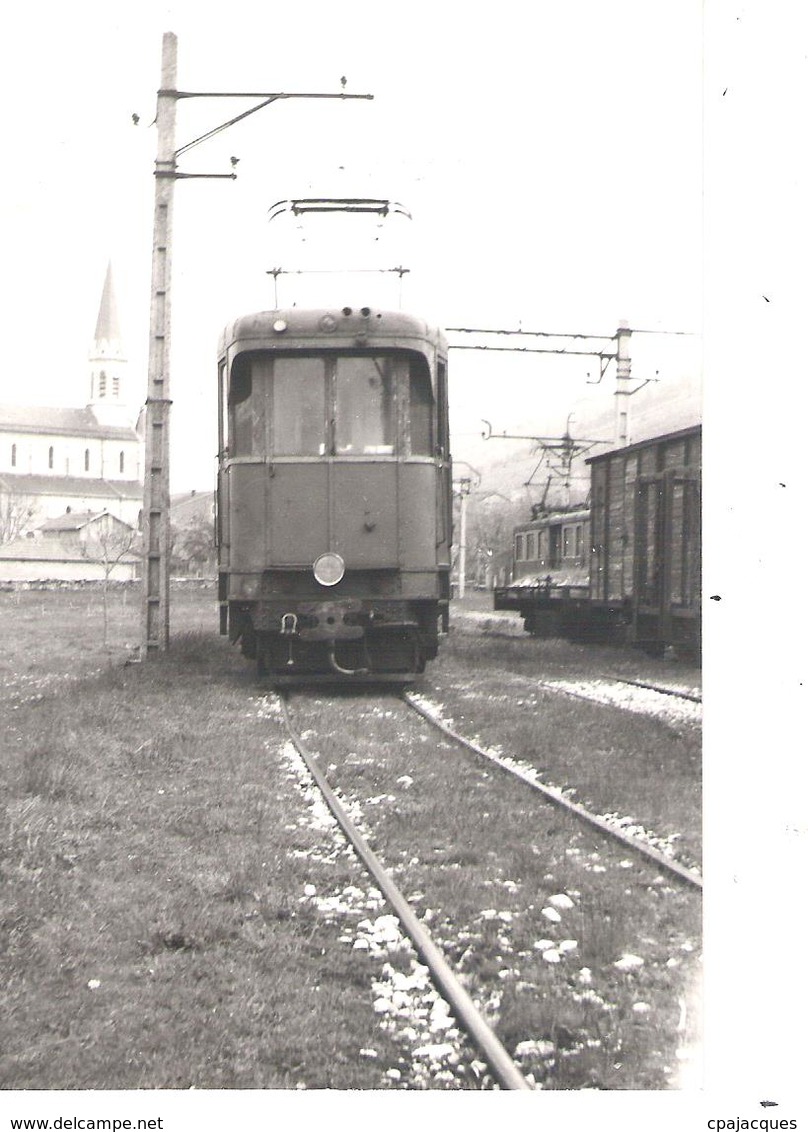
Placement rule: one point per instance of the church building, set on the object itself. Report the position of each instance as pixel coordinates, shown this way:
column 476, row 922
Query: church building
column 56, row 461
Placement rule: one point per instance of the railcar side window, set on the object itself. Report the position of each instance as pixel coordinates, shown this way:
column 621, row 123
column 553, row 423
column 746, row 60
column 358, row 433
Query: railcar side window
column 555, row 546
column 298, row 407
column 244, row 409
column 421, row 442
column 520, row 548
column 443, row 410
column 365, row 406
column 224, row 423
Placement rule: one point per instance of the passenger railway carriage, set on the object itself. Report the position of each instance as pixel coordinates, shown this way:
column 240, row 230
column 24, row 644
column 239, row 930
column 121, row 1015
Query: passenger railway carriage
column 628, row 568
column 334, row 492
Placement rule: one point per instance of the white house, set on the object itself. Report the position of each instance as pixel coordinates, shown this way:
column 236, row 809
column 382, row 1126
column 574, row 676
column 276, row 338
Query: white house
column 77, row 546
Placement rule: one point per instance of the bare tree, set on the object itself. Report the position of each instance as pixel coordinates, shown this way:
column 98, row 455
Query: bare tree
column 107, row 542
column 16, row 511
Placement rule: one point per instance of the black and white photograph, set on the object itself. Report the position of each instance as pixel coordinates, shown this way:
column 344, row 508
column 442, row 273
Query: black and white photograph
column 394, row 716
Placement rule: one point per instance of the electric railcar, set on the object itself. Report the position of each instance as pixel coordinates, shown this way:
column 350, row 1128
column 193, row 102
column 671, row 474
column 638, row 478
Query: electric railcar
column 334, row 493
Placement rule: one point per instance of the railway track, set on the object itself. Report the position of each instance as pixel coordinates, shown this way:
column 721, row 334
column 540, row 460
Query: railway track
column 556, row 797
column 677, row 707
column 503, row 1068
column 662, row 689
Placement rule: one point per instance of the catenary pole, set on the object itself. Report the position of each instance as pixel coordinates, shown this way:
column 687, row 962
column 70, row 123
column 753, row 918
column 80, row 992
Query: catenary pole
column 461, row 565
column 622, row 390
column 156, row 498
column 156, row 508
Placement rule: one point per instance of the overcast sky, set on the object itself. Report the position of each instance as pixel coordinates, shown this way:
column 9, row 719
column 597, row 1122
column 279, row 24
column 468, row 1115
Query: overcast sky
column 549, row 154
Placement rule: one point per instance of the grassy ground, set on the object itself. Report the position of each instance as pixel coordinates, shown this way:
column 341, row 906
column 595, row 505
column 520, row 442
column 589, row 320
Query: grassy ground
column 155, row 857
column 154, row 928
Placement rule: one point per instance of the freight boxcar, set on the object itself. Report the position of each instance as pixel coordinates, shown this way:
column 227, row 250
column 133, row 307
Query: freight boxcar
column 646, row 539
column 638, row 580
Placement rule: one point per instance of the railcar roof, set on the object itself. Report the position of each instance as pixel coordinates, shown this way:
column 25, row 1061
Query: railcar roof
column 551, row 519
column 328, row 324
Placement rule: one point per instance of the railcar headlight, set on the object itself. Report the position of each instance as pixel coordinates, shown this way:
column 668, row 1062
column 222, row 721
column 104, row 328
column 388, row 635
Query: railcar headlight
column 250, row 585
column 329, row 569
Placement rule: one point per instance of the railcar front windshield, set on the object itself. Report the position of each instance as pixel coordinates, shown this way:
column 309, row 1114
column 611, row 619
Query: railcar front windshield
column 330, row 405
column 365, row 406
column 299, row 418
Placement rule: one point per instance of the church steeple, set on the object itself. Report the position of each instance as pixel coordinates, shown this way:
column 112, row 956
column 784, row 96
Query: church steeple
column 107, row 328
column 107, row 361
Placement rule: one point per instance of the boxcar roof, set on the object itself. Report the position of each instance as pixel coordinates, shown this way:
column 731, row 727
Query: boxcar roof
column 651, row 442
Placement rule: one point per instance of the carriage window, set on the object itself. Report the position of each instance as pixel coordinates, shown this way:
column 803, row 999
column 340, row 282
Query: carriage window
column 443, row 409
column 365, row 406
column 421, row 442
column 520, row 548
column 241, row 407
column 298, row 407
column 533, row 545
column 555, row 546
column 248, row 383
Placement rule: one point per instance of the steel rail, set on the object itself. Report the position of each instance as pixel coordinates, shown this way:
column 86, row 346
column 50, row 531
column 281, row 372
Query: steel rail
column 661, row 688
column 499, row 1061
column 681, row 872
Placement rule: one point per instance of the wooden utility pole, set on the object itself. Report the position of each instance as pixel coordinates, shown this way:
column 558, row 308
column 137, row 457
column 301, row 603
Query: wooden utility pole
column 156, row 510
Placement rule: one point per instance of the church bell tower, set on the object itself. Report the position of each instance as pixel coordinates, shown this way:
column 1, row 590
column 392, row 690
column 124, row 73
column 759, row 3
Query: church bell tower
column 108, row 363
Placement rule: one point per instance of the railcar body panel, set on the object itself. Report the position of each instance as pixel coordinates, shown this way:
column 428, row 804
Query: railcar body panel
column 365, row 506
column 293, row 540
